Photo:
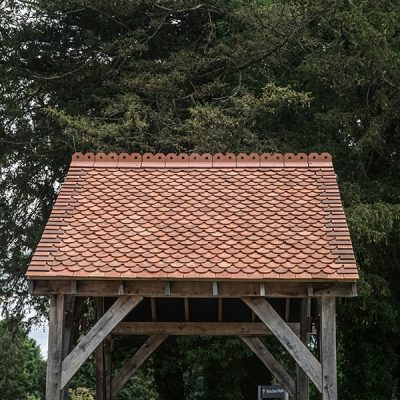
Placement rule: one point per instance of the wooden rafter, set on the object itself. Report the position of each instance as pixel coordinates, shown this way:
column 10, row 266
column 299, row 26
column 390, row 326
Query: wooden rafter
column 96, row 335
column 220, row 310
column 187, row 310
column 275, row 367
column 133, row 364
column 296, row 348
column 153, row 309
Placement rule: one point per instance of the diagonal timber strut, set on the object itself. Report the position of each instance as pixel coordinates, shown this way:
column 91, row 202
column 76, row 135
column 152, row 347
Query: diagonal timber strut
column 272, row 364
column 133, row 364
column 87, row 345
column 296, row 348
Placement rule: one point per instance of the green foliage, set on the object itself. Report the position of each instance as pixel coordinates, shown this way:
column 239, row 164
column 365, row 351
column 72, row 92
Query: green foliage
column 142, row 386
column 374, row 223
column 22, row 369
column 373, row 319
column 226, row 75
column 80, row 394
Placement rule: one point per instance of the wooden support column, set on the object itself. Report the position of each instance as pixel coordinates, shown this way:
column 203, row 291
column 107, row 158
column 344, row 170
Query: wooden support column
column 55, row 348
column 99, row 356
column 122, row 377
column 328, row 348
column 302, row 378
column 288, row 338
column 108, row 349
column 69, row 310
column 103, row 327
column 276, row 368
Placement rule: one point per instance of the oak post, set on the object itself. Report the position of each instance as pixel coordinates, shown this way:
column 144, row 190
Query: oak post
column 302, row 378
column 69, row 310
column 328, row 348
column 99, row 355
column 108, row 349
column 55, row 348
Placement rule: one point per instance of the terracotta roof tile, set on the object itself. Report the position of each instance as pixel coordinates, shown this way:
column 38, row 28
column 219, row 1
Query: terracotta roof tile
column 179, row 216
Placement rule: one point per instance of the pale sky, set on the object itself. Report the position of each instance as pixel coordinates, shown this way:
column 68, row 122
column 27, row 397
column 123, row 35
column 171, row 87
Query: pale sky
column 40, row 335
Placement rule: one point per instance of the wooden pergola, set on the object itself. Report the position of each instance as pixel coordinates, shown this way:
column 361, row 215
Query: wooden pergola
column 224, row 244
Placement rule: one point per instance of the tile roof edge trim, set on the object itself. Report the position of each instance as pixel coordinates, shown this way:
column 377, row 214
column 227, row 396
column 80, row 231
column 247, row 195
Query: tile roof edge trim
column 195, row 160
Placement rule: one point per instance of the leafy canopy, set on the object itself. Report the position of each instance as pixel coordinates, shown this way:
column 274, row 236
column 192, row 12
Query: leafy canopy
column 223, row 75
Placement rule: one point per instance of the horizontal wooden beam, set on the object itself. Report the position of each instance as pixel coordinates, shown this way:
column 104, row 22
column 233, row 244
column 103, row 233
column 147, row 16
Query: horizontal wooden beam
column 184, row 288
column 197, row 328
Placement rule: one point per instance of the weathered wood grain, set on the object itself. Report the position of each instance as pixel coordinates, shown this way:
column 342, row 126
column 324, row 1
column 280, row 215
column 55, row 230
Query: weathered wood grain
column 302, row 378
column 302, row 355
column 108, row 349
column 69, row 310
column 99, row 355
column 197, row 328
column 275, row 367
column 96, row 335
column 191, row 289
column 328, row 348
column 55, row 348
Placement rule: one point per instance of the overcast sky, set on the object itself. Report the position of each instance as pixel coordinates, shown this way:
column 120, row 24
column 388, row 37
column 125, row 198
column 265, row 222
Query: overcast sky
column 40, row 335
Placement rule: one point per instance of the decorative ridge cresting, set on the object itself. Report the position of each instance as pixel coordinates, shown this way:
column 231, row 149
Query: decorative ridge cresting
column 195, row 160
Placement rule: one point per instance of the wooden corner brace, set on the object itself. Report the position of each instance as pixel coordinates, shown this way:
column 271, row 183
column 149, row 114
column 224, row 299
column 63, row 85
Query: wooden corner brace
column 275, row 367
column 88, row 344
column 296, row 348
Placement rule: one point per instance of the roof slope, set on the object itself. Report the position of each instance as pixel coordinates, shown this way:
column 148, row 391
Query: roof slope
column 241, row 217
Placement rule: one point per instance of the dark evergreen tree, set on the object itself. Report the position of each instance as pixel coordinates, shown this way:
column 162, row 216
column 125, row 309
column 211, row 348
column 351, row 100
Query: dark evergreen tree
column 213, row 76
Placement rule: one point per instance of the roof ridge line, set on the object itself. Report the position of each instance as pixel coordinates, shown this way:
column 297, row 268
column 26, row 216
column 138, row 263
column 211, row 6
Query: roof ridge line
column 195, row 160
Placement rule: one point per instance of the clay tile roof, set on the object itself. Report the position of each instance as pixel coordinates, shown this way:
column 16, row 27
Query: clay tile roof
column 222, row 216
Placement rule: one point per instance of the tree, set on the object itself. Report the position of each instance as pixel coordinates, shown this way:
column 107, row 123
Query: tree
column 217, row 76
column 22, row 368
column 80, row 394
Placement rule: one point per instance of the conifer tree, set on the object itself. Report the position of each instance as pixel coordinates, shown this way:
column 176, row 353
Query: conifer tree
column 232, row 75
